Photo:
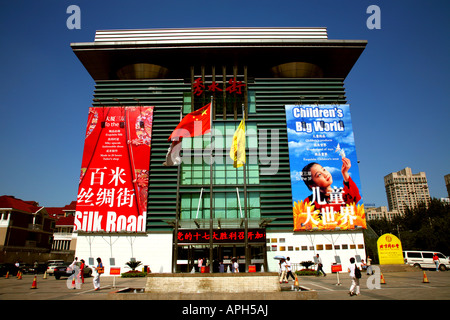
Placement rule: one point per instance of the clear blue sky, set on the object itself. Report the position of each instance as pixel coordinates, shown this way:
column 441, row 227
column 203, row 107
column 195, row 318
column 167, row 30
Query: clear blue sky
column 398, row 91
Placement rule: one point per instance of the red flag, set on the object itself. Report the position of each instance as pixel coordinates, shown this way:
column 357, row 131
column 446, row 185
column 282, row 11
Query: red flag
column 194, row 124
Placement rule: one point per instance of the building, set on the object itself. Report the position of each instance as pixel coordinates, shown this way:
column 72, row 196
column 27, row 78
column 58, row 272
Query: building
column 247, row 72
column 406, row 190
column 447, row 183
column 26, row 230
column 380, row 213
column 62, row 236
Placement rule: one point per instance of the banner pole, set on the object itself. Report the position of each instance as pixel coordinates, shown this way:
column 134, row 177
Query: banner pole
column 247, row 257
column 211, row 201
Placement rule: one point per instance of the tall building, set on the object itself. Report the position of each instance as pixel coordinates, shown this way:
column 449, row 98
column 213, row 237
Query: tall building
column 406, row 190
column 197, row 210
column 447, row 183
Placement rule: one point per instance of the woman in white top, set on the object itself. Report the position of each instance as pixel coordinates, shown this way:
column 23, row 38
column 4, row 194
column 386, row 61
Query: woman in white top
column 354, row 288
column 283, row 271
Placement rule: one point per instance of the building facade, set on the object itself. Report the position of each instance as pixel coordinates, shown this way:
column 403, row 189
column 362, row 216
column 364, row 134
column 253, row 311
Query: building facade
column 380, row 213
column 447, row 183
column 218, row 212
column 26, row 230
column 406, row 190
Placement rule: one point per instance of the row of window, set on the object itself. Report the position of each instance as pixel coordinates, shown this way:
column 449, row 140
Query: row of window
column 227, row 205
column 318, row 247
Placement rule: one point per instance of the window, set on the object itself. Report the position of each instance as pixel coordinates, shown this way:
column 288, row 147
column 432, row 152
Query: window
column 195, row 168
column 226, row 205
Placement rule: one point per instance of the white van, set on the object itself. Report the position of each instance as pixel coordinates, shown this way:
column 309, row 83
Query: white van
column 424, row 259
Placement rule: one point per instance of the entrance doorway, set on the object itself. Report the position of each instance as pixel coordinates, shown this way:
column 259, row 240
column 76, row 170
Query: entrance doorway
column 189, row 255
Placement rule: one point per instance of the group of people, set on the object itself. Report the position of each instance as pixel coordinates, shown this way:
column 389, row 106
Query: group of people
column 285, row 270
column 354, row 271
column 218, row 265
column 98, row 270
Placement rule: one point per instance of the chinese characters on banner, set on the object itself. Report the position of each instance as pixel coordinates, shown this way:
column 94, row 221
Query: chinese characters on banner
column 233, row 86
column 324, row 168
column 221, row 236
column 112, row 193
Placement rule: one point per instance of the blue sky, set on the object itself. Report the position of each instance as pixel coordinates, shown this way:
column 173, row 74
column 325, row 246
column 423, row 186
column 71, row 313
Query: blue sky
column 398, row 90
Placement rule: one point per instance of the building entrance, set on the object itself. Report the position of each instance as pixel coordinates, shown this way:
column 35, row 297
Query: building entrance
column 189, row 256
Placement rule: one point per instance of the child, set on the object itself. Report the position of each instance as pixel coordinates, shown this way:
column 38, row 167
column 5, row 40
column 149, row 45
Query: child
column 317, row 177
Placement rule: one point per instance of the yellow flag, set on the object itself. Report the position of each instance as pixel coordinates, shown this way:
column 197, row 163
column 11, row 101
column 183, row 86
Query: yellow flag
column 237, row 150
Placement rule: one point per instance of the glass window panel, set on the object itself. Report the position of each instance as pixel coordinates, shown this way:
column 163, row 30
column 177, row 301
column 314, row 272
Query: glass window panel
column 232, row 201
column 233, row 213
column 219, row 199
column 255, row 213
column 220, row 213
column 251, row 101
column 231, row 177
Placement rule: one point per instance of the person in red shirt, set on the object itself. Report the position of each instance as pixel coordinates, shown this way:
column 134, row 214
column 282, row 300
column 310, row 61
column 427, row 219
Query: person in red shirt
column 436, row 261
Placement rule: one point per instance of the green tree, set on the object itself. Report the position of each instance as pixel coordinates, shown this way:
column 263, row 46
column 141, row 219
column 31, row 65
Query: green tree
column 425, row 227
column 133, row 264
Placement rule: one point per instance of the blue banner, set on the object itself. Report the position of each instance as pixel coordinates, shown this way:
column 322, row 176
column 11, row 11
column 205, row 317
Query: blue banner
column 324, row 168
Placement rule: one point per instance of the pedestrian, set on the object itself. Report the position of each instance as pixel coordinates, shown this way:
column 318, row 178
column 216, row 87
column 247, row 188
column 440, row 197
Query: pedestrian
column 97, row 272
column 355, row 275
column 436, row 261
column 283, row 271
column 235, row 266
column 200, row 263
column 369, row 265
column 289, row 269
column 82, row 265
column 221, row 266
column 320, row 266
column 36, row 267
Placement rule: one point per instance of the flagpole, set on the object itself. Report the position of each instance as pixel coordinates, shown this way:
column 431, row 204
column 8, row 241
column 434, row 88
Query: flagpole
column 247, row 258
column 211, row 189
column 177, row 213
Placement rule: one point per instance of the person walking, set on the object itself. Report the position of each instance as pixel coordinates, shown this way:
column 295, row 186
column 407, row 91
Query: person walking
column 81, row 271
column 355, row 275
column 320, row 266
column 97, row 272
column 283, row 271
column 289, row 269
column 369, row 266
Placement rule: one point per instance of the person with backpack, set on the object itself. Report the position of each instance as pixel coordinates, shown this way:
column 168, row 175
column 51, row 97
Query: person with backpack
column 355, row 275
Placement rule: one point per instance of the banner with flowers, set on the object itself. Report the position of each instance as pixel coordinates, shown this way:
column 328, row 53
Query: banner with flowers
column 324, row 168
column 113, row 187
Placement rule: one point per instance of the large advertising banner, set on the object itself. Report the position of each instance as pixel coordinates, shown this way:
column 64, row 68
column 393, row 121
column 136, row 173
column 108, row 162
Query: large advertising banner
column 324, row 169
column 112, row 194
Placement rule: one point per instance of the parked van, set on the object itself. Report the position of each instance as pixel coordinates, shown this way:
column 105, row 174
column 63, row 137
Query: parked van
column 424, row 259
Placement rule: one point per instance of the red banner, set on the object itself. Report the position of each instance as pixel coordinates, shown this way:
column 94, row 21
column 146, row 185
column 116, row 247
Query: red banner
column 112, row 194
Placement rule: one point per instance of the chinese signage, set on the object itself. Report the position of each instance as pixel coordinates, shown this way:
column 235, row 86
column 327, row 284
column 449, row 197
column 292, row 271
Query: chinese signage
column 112, row 193
column 221, row 236
column 233, row 86
column 390, row 249
column 324, row 169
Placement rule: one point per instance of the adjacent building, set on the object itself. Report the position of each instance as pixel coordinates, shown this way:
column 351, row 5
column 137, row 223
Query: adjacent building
column 406, row 190
column 26, row 230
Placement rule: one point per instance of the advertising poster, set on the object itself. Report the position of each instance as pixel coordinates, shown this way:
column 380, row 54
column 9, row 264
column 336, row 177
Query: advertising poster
column 326, row 189
column 390, row 249
column 112, row 194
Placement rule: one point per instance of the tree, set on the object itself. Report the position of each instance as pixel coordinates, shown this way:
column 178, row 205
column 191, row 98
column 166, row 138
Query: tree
column 133, row 264
column 425, row 227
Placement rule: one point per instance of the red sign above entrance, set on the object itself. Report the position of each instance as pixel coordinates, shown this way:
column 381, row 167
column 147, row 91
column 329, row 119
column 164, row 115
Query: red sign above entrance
column 221, row 236
column 233, row 86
